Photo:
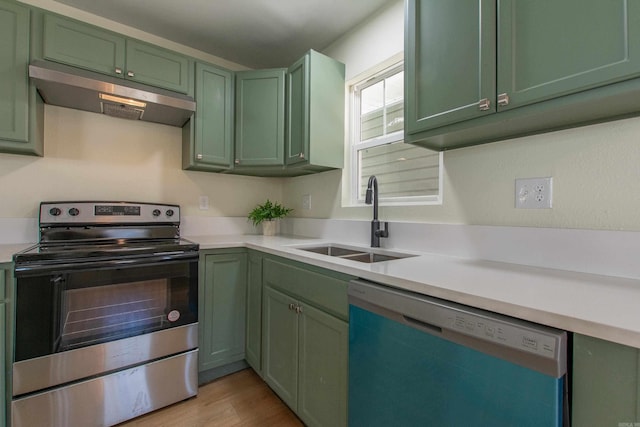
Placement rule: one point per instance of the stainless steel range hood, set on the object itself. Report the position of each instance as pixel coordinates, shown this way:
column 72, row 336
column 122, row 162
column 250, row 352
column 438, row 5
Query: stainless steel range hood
column 85, row 90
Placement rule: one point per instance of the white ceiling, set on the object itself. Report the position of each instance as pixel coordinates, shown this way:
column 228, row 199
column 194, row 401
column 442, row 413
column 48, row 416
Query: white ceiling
column 254, row 33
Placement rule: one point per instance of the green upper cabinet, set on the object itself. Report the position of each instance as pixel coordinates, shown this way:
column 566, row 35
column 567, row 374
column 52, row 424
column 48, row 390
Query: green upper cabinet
column 450, row 62
column 21, row 109
column 484, row 70
column 207, row 142
column 156, row 66
column 222, row 307
column 549, row 49
column 259, row 117
column 315, row 113
column 81, row 45
column 92, row 48
column 606, row 383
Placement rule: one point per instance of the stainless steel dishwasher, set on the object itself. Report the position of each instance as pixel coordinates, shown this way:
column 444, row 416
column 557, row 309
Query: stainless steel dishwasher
column 421, row 361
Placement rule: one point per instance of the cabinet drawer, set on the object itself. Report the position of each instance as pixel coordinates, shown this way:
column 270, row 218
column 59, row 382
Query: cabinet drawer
column 324, row 291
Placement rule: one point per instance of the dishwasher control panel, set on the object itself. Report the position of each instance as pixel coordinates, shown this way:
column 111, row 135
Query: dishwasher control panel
column 509, row 334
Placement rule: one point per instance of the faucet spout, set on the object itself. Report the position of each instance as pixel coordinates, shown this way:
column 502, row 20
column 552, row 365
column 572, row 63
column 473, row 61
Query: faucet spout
column 371, row 197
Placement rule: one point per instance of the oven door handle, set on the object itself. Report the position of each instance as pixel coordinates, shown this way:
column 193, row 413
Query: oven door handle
column 47, row 267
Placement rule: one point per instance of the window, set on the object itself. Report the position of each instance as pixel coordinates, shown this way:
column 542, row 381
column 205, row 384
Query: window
column 407, row 174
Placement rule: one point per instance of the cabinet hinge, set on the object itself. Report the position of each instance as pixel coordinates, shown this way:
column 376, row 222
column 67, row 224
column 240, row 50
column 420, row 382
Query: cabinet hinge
column 503, row 99
column 484, row 104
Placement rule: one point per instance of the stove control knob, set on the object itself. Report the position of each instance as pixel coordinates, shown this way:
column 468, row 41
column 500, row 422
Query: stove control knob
column 169, row 213
column 156, row 212
column 74, row 212
column 55, row 211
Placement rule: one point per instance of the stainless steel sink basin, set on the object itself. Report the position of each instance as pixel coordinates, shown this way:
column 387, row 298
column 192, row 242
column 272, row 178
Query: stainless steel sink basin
column 356, row 254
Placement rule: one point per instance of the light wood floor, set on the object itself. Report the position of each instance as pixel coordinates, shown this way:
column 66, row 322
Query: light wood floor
column 240, row 399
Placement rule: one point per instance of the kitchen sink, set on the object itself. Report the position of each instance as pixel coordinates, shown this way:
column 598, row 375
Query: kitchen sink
column 356, row 254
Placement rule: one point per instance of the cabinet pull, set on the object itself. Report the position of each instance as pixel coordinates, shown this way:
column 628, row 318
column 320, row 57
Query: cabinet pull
column 503, row 99
column 298, row 309
column 199, row 156
column 130, row 74
column 118, row 70
column 237, row 162
column 292, row 306
column 301, row 155
column 484, row 104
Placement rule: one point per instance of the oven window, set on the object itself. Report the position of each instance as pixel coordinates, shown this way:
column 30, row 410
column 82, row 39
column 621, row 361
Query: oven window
column 64, row 311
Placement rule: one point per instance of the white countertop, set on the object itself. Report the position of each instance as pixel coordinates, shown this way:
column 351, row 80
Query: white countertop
column 600, row 306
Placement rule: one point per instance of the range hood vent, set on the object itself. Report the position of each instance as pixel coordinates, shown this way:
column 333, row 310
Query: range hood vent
column 84, row 90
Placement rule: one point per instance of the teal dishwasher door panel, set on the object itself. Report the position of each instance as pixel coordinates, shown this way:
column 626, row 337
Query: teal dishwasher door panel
column 400, row 376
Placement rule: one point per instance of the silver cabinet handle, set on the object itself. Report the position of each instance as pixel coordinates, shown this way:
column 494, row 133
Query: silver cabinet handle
column 298, row 309
column 292, row 306
column 237, row 162
column 199, row 156
column 301, row 155
column 130, row 74
column 118, row 70
column 484, row 104
column 503, row 99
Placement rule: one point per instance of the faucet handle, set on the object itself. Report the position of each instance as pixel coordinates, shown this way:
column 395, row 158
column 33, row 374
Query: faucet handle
column 385, row 232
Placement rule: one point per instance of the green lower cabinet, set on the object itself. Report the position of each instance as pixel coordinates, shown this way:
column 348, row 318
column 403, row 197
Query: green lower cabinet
column 323, row 375
column 305, row 338
column 253, row 349
column 221, row 312
column 606, row 383
column 3, row 348
column 305, row 358
column 280, row 345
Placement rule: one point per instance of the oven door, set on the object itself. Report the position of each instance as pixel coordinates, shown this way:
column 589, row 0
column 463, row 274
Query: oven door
column 107, row 316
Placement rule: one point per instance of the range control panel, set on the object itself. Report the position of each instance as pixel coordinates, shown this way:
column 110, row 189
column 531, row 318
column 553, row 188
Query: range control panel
column 107, row 213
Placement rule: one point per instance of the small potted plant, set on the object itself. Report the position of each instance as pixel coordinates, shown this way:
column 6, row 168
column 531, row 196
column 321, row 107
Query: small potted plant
column 267, row 214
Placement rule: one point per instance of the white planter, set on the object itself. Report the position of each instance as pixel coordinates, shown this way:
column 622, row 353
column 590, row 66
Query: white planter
column 269, row 228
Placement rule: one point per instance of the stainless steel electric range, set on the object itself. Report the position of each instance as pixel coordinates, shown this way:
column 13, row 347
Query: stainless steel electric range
column 105, row 315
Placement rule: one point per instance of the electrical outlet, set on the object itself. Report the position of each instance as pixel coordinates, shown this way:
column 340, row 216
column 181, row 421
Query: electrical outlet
column 534, row 193
column 306, row 202
column 204, row 203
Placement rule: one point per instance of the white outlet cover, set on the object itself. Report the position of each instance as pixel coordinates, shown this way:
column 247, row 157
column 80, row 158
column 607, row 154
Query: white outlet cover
column 306, row 202
column 534, row 193
column 203, row 202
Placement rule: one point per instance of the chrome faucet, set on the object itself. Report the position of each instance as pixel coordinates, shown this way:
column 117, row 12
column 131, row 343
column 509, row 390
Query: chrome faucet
column 372, row 196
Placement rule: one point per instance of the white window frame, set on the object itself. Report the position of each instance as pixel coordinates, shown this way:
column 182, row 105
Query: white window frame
column 354, row 145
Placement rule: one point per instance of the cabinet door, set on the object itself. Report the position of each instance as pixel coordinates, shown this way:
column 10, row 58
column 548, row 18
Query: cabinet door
column 14, row 83
column 222, row 303
column 280, row 345
column 254, row 312
column 3, row 366
column 551, row 48
column 322, row 399
column 260, row 118
column 298, row 111
column 606, row 383
column 213, row 145
column 449, row 62
column 85, row 46
column 155, row 66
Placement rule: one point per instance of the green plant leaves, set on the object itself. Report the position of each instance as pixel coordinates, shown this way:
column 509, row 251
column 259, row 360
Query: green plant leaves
column 268, row 211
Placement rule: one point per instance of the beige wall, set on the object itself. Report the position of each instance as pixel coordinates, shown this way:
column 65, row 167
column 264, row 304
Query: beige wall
column 96, row 157
column 595, row 169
